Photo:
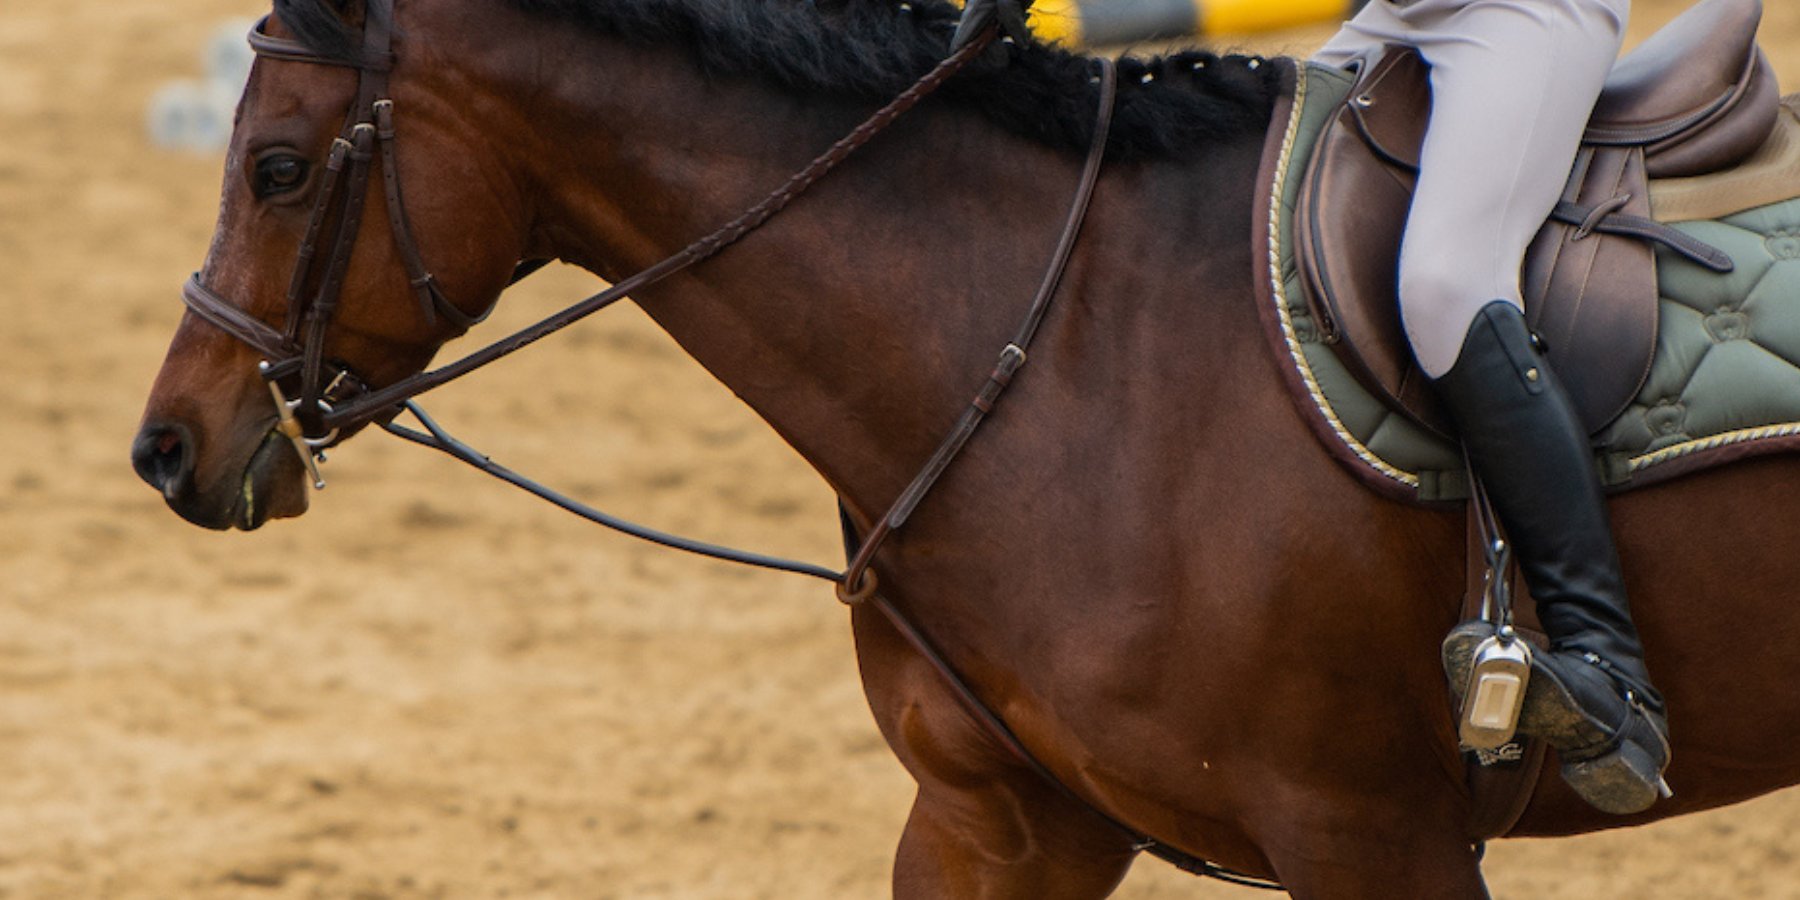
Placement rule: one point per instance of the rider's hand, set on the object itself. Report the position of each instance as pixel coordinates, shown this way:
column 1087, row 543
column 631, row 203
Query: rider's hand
column 978, row 14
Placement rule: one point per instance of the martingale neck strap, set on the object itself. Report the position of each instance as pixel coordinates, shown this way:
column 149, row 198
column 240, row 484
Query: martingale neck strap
column 859, row 580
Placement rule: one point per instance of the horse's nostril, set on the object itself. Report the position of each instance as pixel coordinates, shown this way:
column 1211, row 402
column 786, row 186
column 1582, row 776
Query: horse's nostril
column 162, row 457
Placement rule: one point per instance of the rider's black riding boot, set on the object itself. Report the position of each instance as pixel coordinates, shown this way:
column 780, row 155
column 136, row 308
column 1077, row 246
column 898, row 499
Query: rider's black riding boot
column 1589, row 697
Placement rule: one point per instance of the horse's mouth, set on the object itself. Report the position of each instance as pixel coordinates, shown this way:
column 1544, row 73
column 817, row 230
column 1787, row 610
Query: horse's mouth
column 272, row 487
column 272, row 483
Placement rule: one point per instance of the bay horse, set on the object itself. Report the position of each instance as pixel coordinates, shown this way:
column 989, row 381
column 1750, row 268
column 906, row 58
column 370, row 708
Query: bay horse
column 1196, row 620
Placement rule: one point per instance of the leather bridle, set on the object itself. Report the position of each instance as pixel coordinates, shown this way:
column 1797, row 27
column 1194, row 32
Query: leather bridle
column 297, row 350
column 316, row 397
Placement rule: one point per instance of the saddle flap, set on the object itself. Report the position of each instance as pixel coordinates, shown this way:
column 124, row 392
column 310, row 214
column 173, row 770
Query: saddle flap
column 1594, row 294
column 1592, row 298
column 1357, row 193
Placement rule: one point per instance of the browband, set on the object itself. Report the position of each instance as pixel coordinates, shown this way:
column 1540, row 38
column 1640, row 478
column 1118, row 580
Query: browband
column 293, row 51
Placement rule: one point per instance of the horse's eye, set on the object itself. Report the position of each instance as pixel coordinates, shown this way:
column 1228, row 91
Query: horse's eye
column 279, row 174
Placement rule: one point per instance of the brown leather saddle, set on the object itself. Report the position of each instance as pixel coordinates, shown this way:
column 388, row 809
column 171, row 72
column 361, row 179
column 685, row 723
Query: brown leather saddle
column 1698, row 97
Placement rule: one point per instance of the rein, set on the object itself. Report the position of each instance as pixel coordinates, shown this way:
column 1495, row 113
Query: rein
column 323, row 407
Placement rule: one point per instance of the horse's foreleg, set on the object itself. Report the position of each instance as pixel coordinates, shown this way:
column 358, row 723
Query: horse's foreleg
column 983, row 824
column 996, row 840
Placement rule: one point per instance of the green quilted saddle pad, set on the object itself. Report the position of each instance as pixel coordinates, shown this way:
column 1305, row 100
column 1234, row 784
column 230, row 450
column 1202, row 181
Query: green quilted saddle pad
column 1724, row 385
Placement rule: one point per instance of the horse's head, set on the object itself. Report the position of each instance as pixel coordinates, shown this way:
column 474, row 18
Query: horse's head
column 320, row 266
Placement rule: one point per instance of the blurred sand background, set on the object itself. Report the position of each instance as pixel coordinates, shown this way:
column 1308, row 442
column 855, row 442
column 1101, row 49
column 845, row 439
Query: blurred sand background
column 432, row 685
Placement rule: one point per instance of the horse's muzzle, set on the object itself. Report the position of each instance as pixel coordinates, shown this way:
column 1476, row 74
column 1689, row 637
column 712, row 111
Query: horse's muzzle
column 267, row 484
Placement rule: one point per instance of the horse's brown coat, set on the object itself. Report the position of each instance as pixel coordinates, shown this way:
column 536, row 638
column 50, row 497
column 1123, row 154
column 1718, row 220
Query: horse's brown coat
column 1184, row 606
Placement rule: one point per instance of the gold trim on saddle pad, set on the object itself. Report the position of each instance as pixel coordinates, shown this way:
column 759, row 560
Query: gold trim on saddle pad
column 1278, row 228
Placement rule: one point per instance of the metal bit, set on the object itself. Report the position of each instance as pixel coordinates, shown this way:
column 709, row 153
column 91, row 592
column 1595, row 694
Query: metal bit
column 291, row 429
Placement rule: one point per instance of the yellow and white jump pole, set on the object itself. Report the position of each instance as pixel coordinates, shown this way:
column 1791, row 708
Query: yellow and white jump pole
column 1093, row 23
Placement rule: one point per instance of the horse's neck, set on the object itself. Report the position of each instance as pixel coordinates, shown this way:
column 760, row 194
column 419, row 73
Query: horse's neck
column 859, row 321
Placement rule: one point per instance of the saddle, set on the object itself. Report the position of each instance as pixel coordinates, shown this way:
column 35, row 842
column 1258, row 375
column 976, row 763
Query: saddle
column 1698, row 97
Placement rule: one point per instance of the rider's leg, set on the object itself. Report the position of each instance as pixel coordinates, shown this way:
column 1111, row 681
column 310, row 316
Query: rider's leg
column 1513, row 83
column 1590, row 697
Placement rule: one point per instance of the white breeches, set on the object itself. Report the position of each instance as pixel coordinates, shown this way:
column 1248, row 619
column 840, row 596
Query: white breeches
column 1513, row 83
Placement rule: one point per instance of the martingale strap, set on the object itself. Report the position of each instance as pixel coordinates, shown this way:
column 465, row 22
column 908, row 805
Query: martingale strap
column 858, row 581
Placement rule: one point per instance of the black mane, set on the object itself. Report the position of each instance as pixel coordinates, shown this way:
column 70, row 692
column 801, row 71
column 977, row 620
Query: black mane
column 870, row 50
